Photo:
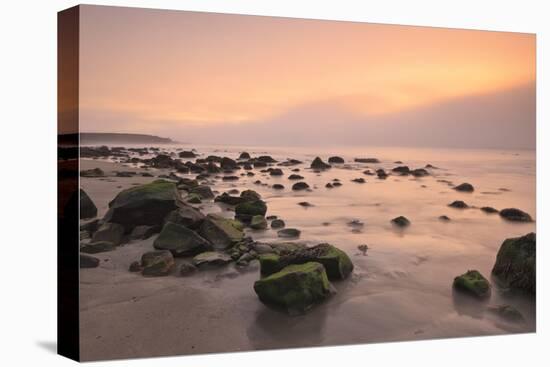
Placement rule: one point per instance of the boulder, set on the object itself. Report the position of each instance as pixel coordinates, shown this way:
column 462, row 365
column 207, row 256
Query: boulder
column 258, row 222
column 250, row 195
column 244, row 155
column 187, row 154
column 298, row 186
column 204, row 191
column 401, row 221
column 277, row 223
column 266, row 159
column 181, row 241
column 211, row 258
column 229, row 199
column 111, row 232
column 245, row 211
column 87, row 206
column 275, row 172
column 464, row 187
column 143, row 205
column 186, row 216
column 515, row 264
column 336, row 159
column 419, row 172
column 278, row 187
column 144, row 232
column 515, row 215
column 157, row 263
column 296, row 288
column 458, row 204
column 97, row 247
column 87, row 261
column 403, row 170
column 473, row 283
column 220, row 231
column 289, row 233
column 319, row 164
column 228, row 164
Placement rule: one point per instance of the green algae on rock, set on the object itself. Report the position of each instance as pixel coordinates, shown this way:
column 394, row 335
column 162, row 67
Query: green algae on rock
column 515, row 264
column 472, row 282
column 181, row 241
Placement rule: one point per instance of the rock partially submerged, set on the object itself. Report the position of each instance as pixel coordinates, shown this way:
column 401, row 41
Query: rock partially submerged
column 181, row 241
column 97, row 247
column 366, row 160
column 319, row 164
column 186, row 216
column 157, row 263
column 298, row 186
column 336, row 159
column 289, row 233
column 464, row 187
column 506, row 312
column 277, row 223
column 95, row 172
column 515, row 264
column 515, row 215
column 401, row 221
column 245, row 211
column 258, row 222
column 473, row 283
column 489, row 210
column 295, row 288
column 459, row 204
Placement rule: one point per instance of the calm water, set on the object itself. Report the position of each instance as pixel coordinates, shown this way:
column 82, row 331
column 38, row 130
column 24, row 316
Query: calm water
column 401, row 290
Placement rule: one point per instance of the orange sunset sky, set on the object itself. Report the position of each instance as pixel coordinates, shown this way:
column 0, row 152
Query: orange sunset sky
column 182, row 74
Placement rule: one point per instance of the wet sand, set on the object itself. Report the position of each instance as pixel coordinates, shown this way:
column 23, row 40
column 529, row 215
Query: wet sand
column 400, row 291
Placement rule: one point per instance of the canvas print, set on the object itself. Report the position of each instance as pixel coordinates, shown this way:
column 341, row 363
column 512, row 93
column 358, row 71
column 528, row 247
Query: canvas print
column 250, row 183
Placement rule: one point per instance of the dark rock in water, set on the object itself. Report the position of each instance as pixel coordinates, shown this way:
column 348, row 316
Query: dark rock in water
column 95, row 172
column 319, row 164
column 464, row 187
column 355, row 223
column 187, row 154
column 135, row 267
column 459, row 204
column 336, row 159
column 97, row 247
column 336, row 184
column 295, row 177
column 146, row 174
column 382, row 175
column 300, row 186
column 277, row 223
column 157, row 263
column 515, row 215
column 473, row 283
column 291, row 162
column 228, row 164
column 305, row 204
column 212, row 168
column 204, row 191
column 144, row 232
column 430, row 166
column 403, row 170
column 220, row 231
column 400, row 221
column 244, row 155
column 161, row 161
column 90, row 226
column 329, row 186
column 276, row 172
column 266, row 159
column 258, row 164
column 366, row 160
column 111, row 232
column 187, row 269
column 87, row 206
column 444, row 218
column 186, row 216
column 233, row 192
column 143, row 205
column 296, row 288
column 289, row 233
column 489, row 210
column 419, row 172
column 278, row 187
column 126, row 174
column 250, row 195
column 211, row 258
column 359, row 180
column 258, row 222
column 271, row 217
column 193, row 198
column 368, row 172
column 87, row 261
column 187, row 184
column 245, row 211
column 506, row 312
column 515, row 265
column 230, row 178
column 181, row 241
column 336, row 262
column 229, row 199
column 363, row 249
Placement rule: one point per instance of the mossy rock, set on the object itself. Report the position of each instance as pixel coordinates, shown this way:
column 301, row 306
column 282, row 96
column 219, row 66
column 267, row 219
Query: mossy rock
column 245, row 211
column 186, row 216
column 181, row 241
column 211, row 258
column 515, row 265
column 220, row 231
column 258, row 222
column 193, row 199
column 110, row 232
column 472, row 282
column 250, row 195
column 97, row 247
column 229, row 199
column 203, row 191
column 296, row 288
column 269, row 264
column 157, row 263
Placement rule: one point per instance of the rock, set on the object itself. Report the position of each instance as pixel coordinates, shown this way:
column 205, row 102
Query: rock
column 187, row 269
column 87, row 261
column 459, row 204
column 489, row 210
column 507, row 312
column 401, row 221
column 363, row 248
column 258, row 222
column 186, row 216
column 296, row 288
column 403, row 170
column 300, row 186
column 358, row 180
column 366, row 160
column 464, row 187
column 263, row 248
column 143, row 205
column 277, row 223
column 228, row 199
column 337, row 184
column 278, row 187
column 143, row 232
column 135, row 267
column 473, row 283
column 288, row 233
column 250, row 195
column 95, row 172
column 336, row 159
column 244, row 155
column 87, row 206
column 211, row 258
column 382, row 175
column 187, row 154
column 419, row 172
column 329, row 186
column 245, row 211
column 295, row 177
column 193, row 199
column 305, row 204
column 220, row 231
column 181, row 241
column 319, row 164
column 515, row 215
column 444, row 218
column 97, row 247
column 212, row 168
column 515, row 264
column 228, row 164
column 204, row 191
column 127, row 174
column 111, row 232
column 271, row 217
column 157, row 263
column 275, row 172
column 266, row 159
column 230, row 178
column 355, row 223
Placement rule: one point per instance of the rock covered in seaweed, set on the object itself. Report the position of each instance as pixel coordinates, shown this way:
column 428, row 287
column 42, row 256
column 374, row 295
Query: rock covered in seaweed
column 473, row 283
column 157, row 263
column 181, row 241
column 221, row 232
column 515, row 264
